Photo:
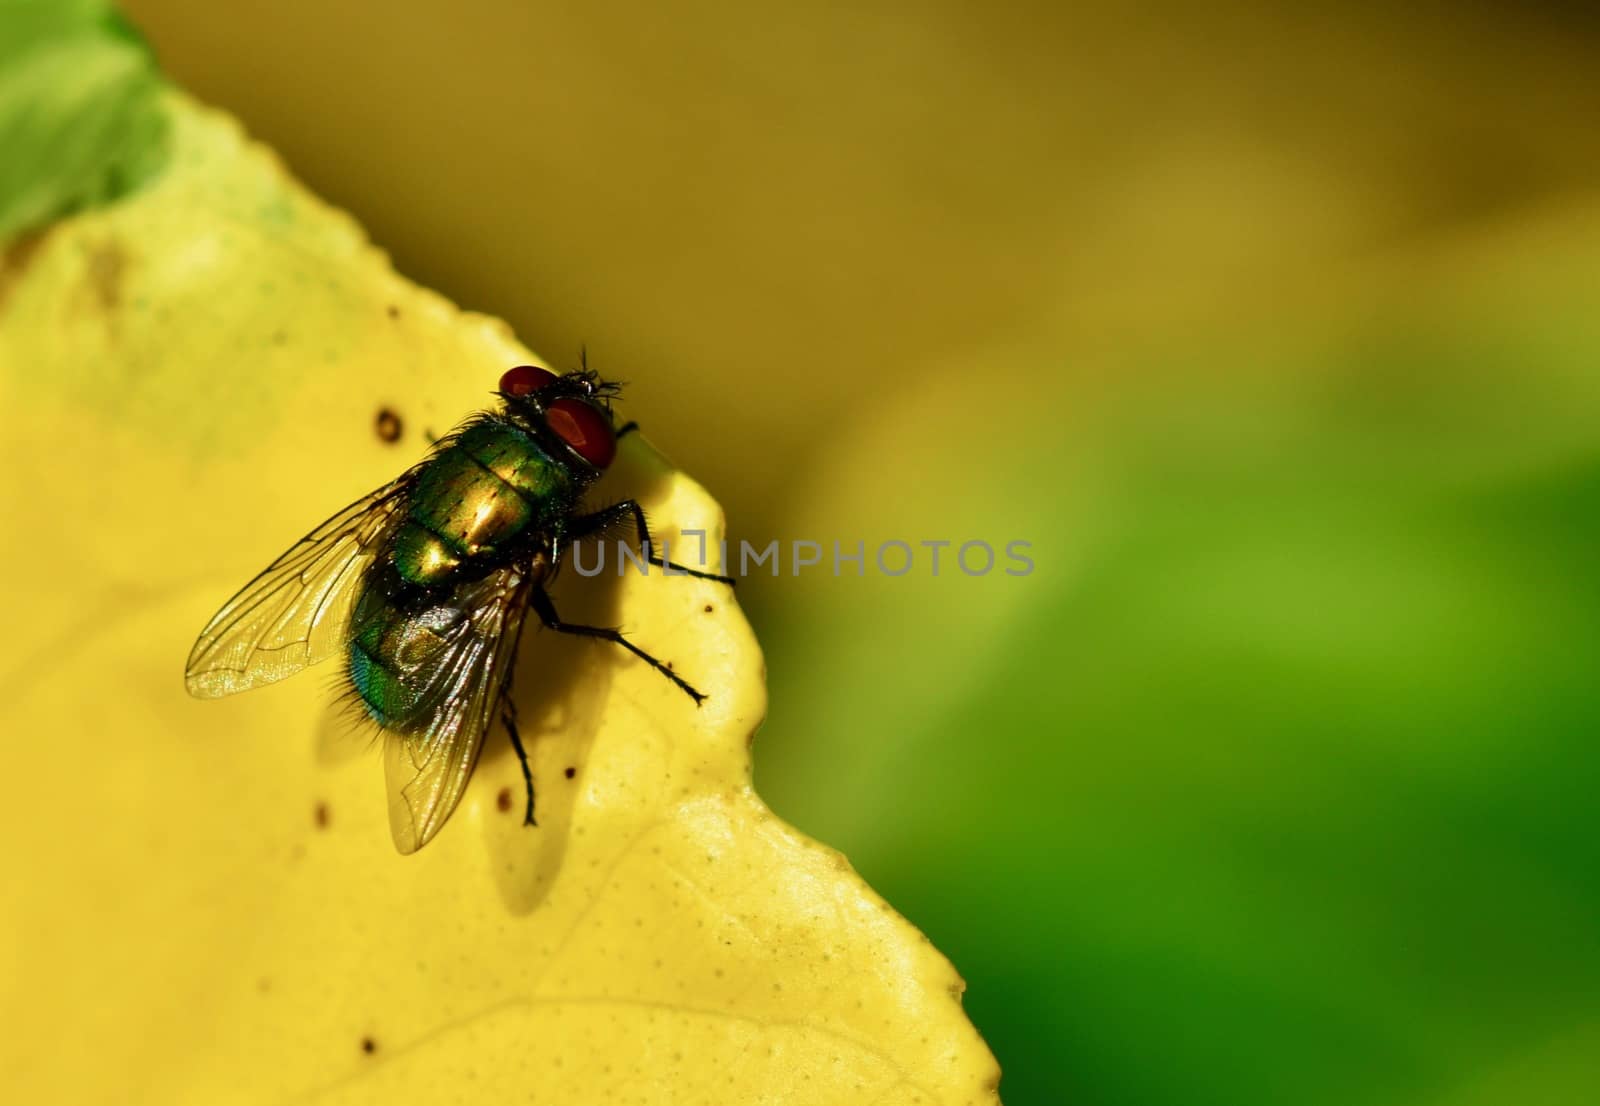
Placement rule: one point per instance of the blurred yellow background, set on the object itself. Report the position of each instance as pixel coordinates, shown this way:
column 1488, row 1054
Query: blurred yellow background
column 1275, row 332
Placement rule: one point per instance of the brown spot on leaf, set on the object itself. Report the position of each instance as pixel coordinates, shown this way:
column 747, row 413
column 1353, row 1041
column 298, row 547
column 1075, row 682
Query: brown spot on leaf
column 502, row 801
column 388, row 425
column 394, row 311
column 320, row 815
column 709, row 608
column 107, row 264
column 16, row 257
column 368, row 1045
column 571, row 772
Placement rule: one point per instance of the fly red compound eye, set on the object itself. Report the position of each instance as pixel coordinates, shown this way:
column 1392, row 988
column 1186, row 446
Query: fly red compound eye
column 524, row 380
column 586, row 430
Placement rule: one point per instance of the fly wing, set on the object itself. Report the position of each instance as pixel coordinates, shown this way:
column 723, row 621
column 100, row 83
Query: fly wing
column 427, row 768
column 294, row 613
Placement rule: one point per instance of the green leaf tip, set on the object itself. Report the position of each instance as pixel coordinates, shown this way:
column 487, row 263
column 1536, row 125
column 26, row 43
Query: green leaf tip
column 81, row 117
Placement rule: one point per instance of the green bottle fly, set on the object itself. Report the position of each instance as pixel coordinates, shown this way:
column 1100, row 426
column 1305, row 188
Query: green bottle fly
column 424, row 584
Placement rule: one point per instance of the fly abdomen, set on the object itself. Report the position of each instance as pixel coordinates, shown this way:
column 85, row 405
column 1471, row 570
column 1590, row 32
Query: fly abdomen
column 395, row 657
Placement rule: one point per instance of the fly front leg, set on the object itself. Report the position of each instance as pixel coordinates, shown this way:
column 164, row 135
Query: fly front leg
column 618, row 513
column 546, row 610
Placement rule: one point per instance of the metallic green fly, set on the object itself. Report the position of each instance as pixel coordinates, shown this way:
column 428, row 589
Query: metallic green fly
column 423, row 586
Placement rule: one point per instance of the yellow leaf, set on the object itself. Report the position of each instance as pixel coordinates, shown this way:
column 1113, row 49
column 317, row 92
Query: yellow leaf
column 204, row 904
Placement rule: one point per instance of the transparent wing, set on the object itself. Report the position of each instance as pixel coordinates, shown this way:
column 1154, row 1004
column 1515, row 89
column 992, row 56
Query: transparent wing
column 427, row 768
column 294, row 613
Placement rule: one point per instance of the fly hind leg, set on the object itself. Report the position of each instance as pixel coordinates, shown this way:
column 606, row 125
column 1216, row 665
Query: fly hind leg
column 508, row 714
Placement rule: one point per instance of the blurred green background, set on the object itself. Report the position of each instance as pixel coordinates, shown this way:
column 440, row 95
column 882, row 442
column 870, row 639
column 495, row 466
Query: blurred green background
column 1276, row 331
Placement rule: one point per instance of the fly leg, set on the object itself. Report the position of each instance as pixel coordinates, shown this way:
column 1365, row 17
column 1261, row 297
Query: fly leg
column 618, row 513
column 508, row 714
column 627, row 428
column 546, row 610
